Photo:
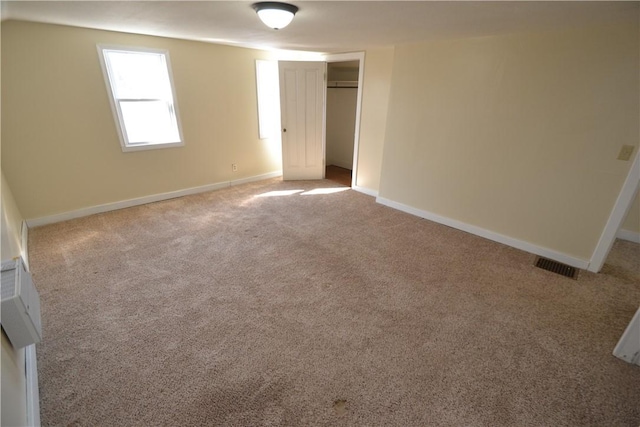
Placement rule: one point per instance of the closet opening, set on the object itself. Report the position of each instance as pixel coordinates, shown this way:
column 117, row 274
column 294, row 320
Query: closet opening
column 342, row 100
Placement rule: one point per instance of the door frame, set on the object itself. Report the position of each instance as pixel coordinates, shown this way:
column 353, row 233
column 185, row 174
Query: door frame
column 344, row 57
column 618, row 213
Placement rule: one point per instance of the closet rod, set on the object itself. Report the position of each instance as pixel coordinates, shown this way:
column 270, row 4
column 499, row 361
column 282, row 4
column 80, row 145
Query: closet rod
column 343, row 84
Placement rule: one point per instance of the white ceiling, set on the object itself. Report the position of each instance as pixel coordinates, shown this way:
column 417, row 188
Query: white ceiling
column 322, row 26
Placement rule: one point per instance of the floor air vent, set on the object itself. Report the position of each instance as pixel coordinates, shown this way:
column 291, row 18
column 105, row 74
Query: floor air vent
column 557, row 267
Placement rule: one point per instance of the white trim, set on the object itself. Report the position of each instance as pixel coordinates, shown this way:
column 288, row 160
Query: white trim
column 65, row 216
column 364, row 190
column 24, row 249
column 342, row 57
column 255, row 178
column 143, row 147
column 487, row 234
column 631, row 236
column 628, row 348
column 619, row 211
column 33, row 392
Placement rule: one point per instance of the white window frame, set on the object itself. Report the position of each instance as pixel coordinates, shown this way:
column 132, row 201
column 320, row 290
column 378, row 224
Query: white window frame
column 115, row 103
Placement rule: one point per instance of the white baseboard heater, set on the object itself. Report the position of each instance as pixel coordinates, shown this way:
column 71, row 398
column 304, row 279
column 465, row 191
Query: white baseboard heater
column 20, row 305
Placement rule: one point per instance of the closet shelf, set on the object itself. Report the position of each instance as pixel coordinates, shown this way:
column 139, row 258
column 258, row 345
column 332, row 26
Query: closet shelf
column 342, row 84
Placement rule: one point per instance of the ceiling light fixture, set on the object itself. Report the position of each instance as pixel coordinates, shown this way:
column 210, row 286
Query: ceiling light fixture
column 274, row 14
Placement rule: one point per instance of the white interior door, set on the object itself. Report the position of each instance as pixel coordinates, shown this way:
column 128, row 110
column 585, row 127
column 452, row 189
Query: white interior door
column 302, row 99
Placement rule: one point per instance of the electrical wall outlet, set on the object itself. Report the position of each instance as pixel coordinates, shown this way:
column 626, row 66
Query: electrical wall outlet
column 625, row 152
column 234, row 167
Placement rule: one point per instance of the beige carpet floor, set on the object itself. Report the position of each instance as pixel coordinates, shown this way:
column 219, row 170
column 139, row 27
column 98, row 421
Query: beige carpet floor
column 275, row 304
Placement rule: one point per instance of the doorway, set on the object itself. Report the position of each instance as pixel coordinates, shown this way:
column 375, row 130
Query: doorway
column 300, row 151
column 341, row 112
column 628, row 193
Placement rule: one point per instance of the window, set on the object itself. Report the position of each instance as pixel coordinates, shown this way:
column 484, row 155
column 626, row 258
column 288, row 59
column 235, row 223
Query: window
column 142, row 97
column 268, row 87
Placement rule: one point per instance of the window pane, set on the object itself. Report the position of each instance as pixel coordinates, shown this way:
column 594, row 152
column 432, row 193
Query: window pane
column 149, row 122
column 141, row 90
column 268, row 99
column 139, row 75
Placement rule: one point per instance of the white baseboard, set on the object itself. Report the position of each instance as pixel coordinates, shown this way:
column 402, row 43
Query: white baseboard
column 365, row 190
column 255, row 178
column 487, row 234
column 631, row 236
column 65, row 216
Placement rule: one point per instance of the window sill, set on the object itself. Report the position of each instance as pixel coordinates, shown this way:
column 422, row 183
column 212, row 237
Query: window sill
column 142, row 147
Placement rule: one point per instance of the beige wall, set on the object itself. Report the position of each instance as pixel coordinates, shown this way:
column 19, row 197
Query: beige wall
column 632, row 221
column 516, row 134
column 375, row 100
column 60, row 148
column 340, row 73
column 14, row 405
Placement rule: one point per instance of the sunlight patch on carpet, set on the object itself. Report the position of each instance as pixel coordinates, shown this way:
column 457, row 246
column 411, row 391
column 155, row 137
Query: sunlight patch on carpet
column 279, row 193
column 324, row 191
column 314, row 192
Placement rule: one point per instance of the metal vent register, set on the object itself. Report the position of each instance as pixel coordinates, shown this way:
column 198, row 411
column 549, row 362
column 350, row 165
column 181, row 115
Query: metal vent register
column 557, row 267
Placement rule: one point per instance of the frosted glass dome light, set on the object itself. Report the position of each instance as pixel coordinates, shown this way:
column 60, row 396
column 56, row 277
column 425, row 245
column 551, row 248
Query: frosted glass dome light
column 275, row 15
